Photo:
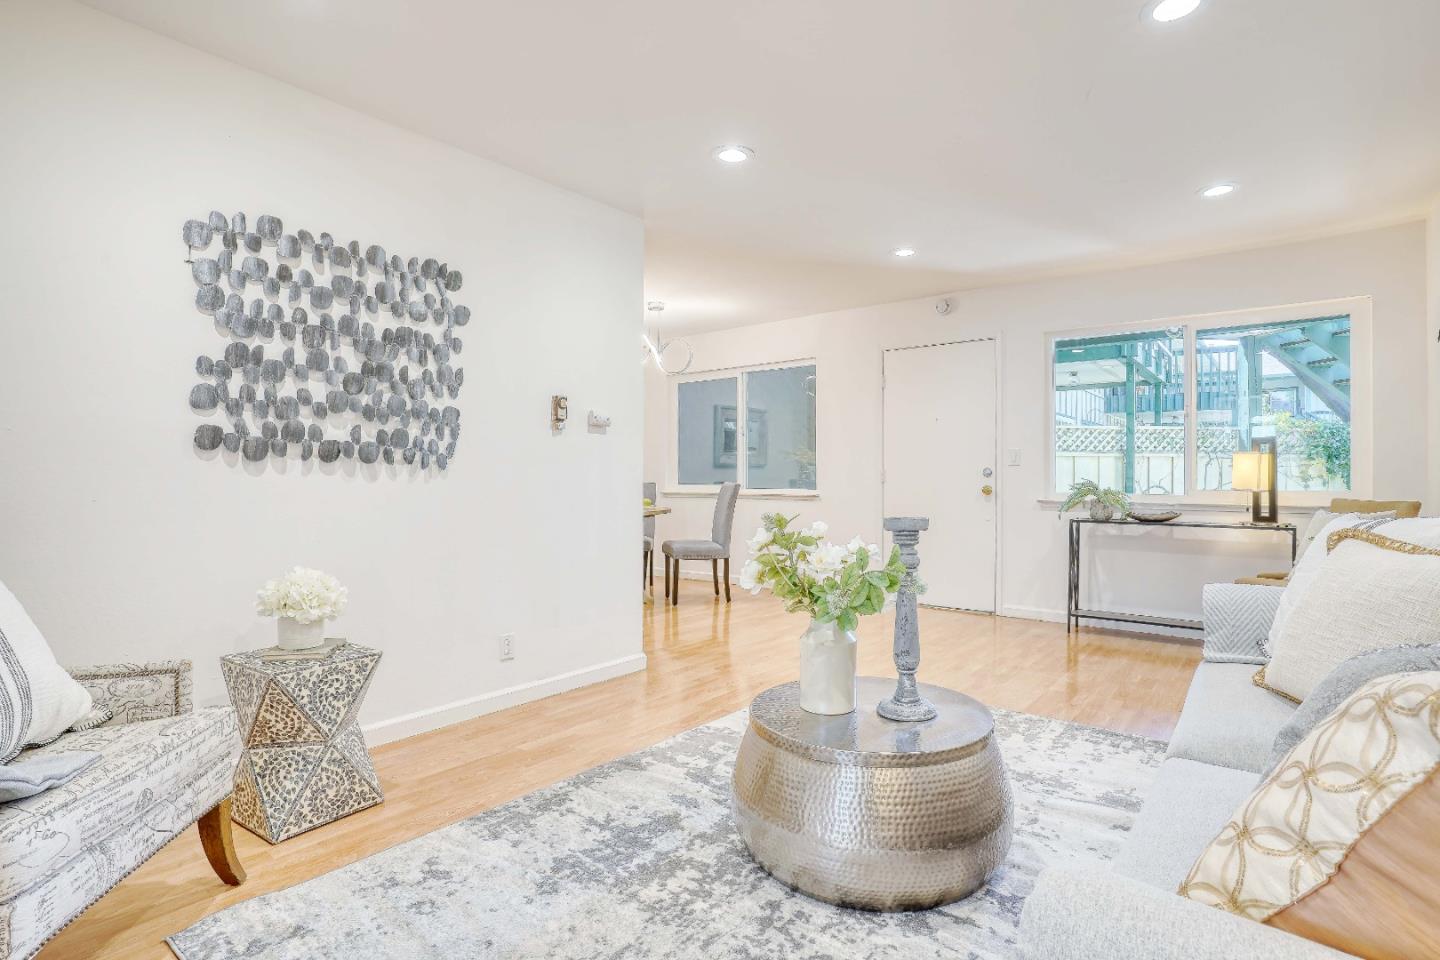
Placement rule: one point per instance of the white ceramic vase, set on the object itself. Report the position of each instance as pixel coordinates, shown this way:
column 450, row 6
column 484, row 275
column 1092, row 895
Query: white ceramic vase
column 827, row 669
column 293, row 635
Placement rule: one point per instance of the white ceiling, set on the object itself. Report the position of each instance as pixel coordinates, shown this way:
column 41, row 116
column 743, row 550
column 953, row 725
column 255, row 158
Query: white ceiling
column 1000, row 138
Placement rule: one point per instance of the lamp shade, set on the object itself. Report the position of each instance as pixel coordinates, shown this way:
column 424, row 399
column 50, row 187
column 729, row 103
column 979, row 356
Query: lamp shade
column 1250, row 470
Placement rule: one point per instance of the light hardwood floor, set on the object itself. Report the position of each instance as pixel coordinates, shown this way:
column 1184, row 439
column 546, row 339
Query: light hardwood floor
column 706, row 659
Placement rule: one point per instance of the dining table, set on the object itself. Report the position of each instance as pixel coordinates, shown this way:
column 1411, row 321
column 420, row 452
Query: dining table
column 647, row 592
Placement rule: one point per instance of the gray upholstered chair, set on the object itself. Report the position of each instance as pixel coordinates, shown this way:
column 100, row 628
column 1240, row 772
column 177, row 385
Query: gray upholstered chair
column 715, row 549
column 647, row 563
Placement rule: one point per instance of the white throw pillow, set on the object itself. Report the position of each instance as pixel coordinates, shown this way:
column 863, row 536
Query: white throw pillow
column 1372, row 592
column 38, row 699
column 1309, row 562
column 1314, row 528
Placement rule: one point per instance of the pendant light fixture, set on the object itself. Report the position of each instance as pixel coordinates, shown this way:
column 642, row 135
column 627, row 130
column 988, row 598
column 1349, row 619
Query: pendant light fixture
column 665, row 353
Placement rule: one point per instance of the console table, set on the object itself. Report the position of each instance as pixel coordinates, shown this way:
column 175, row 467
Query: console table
column 1075, row 612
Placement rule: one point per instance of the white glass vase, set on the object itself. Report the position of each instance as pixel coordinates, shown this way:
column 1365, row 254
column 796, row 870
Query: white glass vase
column 291, row 634
column 827, row 669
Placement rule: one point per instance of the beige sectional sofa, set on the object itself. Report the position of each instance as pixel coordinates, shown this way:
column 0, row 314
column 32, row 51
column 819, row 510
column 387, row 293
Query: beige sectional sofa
column 1130, row 910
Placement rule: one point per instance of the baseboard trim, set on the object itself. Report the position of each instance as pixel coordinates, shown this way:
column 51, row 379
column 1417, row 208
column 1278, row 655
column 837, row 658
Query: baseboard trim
column 1034, row 613
column 433, row 718
column 697, row 574
column 1058, row 616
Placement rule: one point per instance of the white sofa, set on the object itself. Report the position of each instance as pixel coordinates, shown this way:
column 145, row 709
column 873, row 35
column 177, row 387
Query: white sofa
column 163, row 766
column 1130, row 911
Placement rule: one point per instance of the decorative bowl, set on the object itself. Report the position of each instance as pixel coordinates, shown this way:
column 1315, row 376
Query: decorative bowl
column 1157, row 516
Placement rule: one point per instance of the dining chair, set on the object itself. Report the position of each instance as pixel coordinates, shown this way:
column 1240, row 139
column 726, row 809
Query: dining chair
column 716, row 549
column 647, row 566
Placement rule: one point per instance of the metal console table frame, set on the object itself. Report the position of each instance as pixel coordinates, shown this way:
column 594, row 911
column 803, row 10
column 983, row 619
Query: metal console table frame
column 1075, row 612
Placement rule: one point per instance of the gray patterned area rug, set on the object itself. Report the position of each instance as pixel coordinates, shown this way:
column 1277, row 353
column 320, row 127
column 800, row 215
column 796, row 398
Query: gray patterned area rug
column 639, row 859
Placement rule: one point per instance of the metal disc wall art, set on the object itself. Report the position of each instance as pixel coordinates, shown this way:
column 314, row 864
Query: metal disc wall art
column 385, row 385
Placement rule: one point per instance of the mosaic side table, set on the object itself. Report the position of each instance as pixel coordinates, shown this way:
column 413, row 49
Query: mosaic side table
column 304, row 761
column 871, row 813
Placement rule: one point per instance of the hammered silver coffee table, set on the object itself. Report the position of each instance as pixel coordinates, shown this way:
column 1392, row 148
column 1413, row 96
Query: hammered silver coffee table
column 876, row 814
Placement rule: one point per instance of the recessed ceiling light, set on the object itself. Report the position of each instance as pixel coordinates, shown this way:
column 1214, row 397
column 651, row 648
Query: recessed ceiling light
column 1218, row 190
column 1168, row 11
column 733, row 154
column 904, row 251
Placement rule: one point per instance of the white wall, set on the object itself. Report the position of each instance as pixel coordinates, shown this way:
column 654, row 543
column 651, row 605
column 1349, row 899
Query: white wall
column 1387, row 265
column 1432, row 338
column 127, row 544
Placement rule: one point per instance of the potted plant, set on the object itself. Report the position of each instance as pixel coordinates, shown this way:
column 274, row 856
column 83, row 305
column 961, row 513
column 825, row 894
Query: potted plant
column 1103, row 501
column 301, row 602
column 836, row 585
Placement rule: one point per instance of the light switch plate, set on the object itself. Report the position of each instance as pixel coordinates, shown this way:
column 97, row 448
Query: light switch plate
column 1012, row 457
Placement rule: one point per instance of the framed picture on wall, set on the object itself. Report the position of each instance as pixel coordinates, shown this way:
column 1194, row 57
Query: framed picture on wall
column 727, row 440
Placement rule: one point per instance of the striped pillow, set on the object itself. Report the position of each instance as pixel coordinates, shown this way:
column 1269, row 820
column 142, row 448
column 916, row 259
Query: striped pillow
column 38, row 699
column 17, row 708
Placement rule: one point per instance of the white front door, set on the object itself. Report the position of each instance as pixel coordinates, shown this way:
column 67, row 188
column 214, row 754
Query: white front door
column 940, row 462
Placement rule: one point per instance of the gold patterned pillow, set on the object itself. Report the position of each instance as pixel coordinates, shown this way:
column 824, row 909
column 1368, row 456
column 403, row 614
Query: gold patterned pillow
column 1338, row 844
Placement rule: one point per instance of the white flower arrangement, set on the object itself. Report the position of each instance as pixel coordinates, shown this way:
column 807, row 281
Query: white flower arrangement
column 303, row 595
column 829, row 581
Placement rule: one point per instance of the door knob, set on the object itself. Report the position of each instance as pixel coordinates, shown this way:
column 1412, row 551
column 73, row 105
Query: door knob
column 987, row 489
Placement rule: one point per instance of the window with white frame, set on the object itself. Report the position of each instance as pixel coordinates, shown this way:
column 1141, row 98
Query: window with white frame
column 770, row 448
column 1162, row 409
column 1120, row 411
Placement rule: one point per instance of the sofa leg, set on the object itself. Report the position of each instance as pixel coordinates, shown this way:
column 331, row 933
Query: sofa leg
column 217, row 838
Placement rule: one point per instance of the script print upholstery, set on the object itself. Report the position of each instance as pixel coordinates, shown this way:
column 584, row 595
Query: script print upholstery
column 63, row 849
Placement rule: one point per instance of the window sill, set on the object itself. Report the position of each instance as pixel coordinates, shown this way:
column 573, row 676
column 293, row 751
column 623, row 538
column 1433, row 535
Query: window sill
column 1216, row 506
column 749, row 494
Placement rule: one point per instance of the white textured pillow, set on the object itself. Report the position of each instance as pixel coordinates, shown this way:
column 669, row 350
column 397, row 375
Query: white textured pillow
column 38, row 699
column 1372, row 592
column 1309, row 563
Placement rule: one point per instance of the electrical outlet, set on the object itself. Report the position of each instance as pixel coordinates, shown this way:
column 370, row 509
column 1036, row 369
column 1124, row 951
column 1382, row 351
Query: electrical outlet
column 507, row 647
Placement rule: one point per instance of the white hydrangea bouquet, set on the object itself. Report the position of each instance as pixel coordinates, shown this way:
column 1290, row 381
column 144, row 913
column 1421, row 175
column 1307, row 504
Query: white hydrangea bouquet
column 836, row 585
column 829, row 581
column 301, row 601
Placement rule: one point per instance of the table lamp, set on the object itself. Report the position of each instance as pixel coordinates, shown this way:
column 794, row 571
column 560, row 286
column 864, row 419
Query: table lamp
column 1254, row 470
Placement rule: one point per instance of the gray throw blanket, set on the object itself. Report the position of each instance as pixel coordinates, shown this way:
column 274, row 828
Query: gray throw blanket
column 27, row 776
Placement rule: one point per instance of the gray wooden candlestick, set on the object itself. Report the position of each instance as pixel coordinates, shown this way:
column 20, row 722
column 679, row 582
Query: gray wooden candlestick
column 906, row 704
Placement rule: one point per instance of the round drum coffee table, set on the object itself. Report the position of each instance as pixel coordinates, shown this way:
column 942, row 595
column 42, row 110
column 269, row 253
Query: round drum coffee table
column 865, row 812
